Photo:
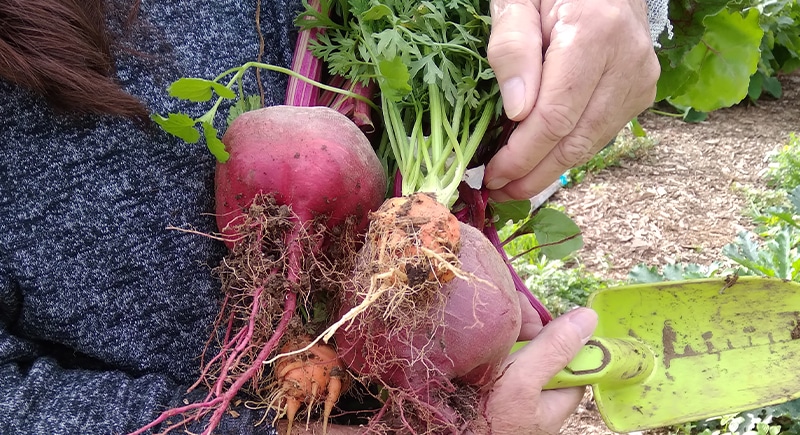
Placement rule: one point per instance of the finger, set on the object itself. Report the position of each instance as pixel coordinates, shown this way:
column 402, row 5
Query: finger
column 607, row 113
column 568, row 82
column 515, row 54
column 531, row 321
column 593, row 131
column 556, row 345
column 559, row 404
column 530, row 368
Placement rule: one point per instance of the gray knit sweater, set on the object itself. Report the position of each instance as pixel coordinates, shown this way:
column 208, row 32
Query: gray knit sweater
column 103, row 310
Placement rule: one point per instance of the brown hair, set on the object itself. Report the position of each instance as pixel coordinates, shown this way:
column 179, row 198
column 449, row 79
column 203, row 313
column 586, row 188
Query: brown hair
column 61, row 49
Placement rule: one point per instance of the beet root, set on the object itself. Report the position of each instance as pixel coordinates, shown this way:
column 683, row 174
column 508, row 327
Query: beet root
column 442, row 370
column 312, row 158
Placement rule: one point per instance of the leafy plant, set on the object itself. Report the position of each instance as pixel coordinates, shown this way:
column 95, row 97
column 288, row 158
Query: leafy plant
column 739, row 424
column 540, row 249
column 776, row 257
column 200, row 90
column 708, row 62
column 559, row 286
column 780, row 46
column 439, row 95
column 783, row 171
column 674, row 272
column 722, row 51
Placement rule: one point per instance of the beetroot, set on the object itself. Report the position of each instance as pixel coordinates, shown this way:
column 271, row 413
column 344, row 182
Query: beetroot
column 313, row 158
column 292, row 199
column 459, row 353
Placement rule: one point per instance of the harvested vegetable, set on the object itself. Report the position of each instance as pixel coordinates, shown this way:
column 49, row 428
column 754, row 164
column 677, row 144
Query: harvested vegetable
column 312, row 376
column 433, row 310
column 289, row 197
column 294, row 187
column 438, row 370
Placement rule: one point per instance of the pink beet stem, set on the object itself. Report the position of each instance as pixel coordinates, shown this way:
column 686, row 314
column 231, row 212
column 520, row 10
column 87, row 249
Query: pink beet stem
column 298, row 92
column 326, row 97
column 491, row 233
column 357, row 110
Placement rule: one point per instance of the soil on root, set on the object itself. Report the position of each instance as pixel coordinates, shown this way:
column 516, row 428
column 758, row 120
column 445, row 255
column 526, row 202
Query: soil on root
column 279, row 266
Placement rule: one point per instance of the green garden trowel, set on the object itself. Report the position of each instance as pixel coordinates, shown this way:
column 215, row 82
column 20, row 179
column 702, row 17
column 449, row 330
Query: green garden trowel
column 672, row 352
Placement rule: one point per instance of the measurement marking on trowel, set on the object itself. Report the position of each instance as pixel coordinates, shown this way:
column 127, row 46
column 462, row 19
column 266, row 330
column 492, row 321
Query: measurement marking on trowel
column 677, row 344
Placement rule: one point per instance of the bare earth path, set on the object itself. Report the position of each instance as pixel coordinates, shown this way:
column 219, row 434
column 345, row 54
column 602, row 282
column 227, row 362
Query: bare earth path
column 681, row 202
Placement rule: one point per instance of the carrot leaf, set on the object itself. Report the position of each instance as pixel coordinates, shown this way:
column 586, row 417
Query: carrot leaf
column 438, row 93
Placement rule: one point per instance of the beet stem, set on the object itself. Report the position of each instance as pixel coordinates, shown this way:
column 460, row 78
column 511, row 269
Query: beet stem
column 491, row 233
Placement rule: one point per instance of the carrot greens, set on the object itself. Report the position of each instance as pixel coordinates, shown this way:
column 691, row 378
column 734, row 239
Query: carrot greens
column 438, row 93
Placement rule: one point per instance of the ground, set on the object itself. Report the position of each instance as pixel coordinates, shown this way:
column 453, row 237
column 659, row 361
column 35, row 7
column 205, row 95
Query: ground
column 682, row 201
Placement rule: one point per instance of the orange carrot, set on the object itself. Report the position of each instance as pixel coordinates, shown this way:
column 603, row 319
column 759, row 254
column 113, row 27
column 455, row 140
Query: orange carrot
column 309, row 377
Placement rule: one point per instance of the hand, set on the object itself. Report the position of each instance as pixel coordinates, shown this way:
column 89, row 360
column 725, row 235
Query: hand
column 517, row 404
column 573, row 73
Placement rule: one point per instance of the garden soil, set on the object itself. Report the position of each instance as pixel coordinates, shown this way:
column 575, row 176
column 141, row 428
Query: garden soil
column 682, row 201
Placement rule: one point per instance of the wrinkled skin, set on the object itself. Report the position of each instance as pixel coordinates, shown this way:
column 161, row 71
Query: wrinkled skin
column 573, row 73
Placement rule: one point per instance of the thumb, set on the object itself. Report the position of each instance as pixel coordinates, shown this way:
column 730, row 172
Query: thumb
column 557, row 344
column 515, row 54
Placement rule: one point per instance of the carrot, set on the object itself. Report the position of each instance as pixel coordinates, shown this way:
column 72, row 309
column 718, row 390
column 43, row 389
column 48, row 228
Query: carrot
column 291, row 200
column 314, row 374
column 418, row 228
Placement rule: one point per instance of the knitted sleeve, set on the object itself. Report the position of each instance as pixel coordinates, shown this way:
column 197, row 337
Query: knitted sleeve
column 104, row 311
column 658, row 16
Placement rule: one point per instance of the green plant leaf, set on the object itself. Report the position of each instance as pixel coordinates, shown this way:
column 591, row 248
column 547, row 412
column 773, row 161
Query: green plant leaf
column 691, row 115
column 725, row 58
column 642, row 274
column 178, row 124
column 376, row 13
column 773, row 258
column 514, row 211
column 552, row 226
column 794, row 197
column 773, row 87
column 198, row 90
column 674, row 81
column 756, row 86
column 215, row 145
column 394, row 78
column 246, row 104
column 636, row 128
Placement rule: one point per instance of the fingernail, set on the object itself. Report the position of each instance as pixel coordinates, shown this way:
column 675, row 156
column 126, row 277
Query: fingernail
column 496, row 183
column 513, row 91
column 584, row 320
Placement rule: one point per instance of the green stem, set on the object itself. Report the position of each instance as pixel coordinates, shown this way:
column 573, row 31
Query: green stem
column 662, row 113
column 239, row 72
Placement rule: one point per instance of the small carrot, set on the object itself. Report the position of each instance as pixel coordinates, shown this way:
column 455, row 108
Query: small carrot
column 309, row 377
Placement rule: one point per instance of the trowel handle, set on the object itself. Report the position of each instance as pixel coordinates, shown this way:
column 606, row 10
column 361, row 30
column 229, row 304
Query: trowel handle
column 605, row 360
